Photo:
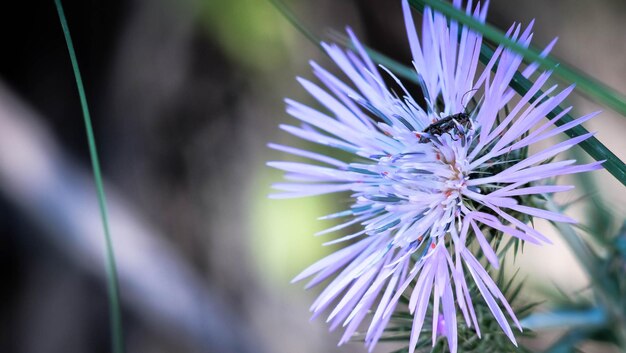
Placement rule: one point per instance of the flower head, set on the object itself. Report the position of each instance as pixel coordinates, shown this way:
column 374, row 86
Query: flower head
column 428, row 176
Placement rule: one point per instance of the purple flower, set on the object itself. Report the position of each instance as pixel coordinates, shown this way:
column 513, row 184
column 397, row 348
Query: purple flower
column 428, row 177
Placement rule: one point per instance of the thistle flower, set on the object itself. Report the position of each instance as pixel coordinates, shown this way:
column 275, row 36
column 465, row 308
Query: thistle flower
column 428, row 176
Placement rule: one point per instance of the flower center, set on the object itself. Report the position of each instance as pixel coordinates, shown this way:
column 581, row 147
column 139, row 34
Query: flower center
column 455, row 176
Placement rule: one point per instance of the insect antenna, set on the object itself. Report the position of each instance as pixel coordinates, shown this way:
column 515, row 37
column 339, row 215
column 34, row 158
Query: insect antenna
column 463, row 97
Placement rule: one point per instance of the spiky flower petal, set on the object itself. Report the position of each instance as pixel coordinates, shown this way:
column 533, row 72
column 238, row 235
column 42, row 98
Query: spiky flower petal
column 429, row 176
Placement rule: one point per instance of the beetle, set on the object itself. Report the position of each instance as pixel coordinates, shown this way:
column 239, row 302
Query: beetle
column 445, row 125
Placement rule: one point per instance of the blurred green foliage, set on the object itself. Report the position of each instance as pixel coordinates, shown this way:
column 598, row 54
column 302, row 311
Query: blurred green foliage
column 282, row 239
column 251, row 32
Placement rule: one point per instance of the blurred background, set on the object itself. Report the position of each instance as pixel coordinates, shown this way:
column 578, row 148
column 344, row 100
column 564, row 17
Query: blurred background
column 184, row 97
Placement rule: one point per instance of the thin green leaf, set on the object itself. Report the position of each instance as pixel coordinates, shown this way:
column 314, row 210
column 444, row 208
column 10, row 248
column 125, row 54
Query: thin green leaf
column 586, row 84
column 293, row 19
column 117, row 339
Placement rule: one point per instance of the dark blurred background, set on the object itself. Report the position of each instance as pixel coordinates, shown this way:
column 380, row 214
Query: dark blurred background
column 184, row 96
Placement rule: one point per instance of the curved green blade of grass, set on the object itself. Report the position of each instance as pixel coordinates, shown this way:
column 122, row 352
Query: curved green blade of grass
column 519, row 83
column 584, row 83
column 113, row 288
column 291, row 17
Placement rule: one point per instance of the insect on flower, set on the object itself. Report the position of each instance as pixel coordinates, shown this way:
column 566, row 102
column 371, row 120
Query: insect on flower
column 426, row 180
column 460, row 122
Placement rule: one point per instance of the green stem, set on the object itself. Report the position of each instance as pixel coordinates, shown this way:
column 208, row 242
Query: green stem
column 113, row 288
